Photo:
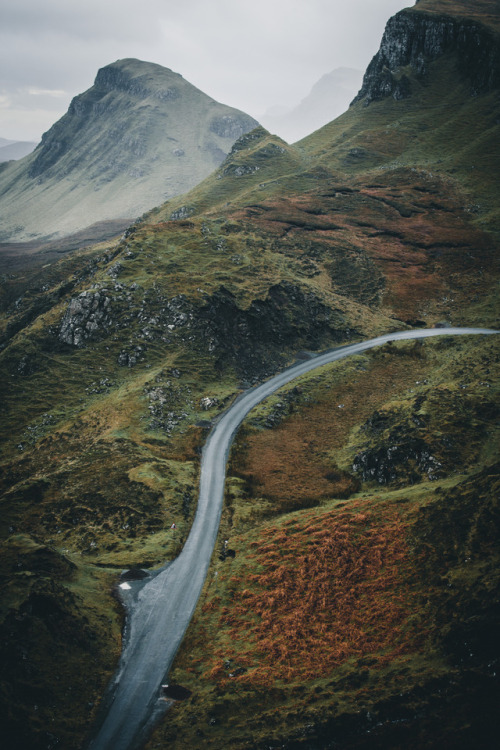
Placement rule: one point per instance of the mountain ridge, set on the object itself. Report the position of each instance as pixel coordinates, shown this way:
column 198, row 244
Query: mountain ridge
column 431, row 37
column 140, row 133
column 353, row 595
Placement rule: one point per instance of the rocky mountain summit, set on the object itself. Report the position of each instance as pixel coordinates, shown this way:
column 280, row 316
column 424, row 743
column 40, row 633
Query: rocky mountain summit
column 140, row 135
column 414, row 39
column 353, row 600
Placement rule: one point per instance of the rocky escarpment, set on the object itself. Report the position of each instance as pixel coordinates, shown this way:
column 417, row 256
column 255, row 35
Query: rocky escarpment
column 251, row 340
column 86, row 314
column 116, row 78
column 412, row 40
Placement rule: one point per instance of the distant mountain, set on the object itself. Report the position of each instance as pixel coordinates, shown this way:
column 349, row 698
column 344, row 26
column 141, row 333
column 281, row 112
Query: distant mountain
column 353, row 596
column 328, row 99
column 13, row 150
column 140, row 135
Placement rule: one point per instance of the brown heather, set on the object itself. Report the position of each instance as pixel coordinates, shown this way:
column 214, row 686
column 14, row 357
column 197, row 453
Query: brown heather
column 329, row 587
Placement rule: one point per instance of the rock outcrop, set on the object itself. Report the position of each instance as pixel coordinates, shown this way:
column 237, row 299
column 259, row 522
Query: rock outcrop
column 86, row 314
column 412, row 40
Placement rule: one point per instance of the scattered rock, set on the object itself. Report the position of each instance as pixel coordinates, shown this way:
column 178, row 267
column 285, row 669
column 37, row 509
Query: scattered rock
column 238, row 170
column 132, row 357
column 408, row 460
column 100, row 386
column 207, row 403
column 238, row 672
column 182, row 213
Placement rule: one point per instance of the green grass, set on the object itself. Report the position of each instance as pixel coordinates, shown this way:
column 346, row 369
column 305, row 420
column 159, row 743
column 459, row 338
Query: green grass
column 440, row 129
column 318, row 246
column 484, row 11
column 341, row 698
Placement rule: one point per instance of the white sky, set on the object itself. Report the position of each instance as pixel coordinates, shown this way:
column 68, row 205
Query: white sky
column 250, row 54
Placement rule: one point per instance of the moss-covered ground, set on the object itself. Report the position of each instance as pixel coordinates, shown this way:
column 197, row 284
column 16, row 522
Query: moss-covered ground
column 352, row 598
column 326, row 615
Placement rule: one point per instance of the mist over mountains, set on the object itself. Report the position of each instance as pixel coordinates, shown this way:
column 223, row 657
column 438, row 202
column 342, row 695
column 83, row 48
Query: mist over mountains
column 328, row 99
column 13, row 150
column 140, row 135
column 353, row 597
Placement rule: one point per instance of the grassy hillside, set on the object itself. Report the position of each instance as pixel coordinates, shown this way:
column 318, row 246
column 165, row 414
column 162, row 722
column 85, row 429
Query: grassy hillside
column 484, row 11
column 138, row 136
column 355, row 611
column 440, row 131
column 355, row 602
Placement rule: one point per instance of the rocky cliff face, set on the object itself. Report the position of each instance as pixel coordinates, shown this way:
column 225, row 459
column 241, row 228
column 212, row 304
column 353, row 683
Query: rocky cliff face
column 139, row 135
column 412, row 40
column 115, row 360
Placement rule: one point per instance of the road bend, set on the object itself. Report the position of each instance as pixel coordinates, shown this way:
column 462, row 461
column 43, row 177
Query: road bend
column 159, row 609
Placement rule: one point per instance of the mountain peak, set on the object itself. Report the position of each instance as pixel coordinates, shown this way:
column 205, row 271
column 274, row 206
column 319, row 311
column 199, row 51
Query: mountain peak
column 139, row 136
column 136, row 67
column 412, row 41
column 136, row 76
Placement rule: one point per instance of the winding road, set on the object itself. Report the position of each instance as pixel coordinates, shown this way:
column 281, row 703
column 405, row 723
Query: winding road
column 159, row 608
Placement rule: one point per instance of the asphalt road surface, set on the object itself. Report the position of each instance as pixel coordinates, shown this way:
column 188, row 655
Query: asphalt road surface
column 160, row 607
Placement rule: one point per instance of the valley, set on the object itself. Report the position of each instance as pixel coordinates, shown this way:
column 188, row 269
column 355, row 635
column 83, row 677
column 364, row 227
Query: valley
column 159, row 609
column 352, row 598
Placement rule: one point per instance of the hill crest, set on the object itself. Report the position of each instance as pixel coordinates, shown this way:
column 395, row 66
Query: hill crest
column 139, row 135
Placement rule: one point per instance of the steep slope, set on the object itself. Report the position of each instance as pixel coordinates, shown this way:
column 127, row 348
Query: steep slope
column 140, row 135
column 354, row 595
column 429, row 102
column 372, row 485
column 430, row 37
column 370, row 621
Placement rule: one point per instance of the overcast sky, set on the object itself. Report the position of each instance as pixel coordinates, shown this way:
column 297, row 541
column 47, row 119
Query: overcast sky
column 251, row 54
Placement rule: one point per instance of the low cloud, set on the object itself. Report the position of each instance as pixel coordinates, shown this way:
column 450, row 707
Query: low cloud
column 248, row 55
column 56, row 93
